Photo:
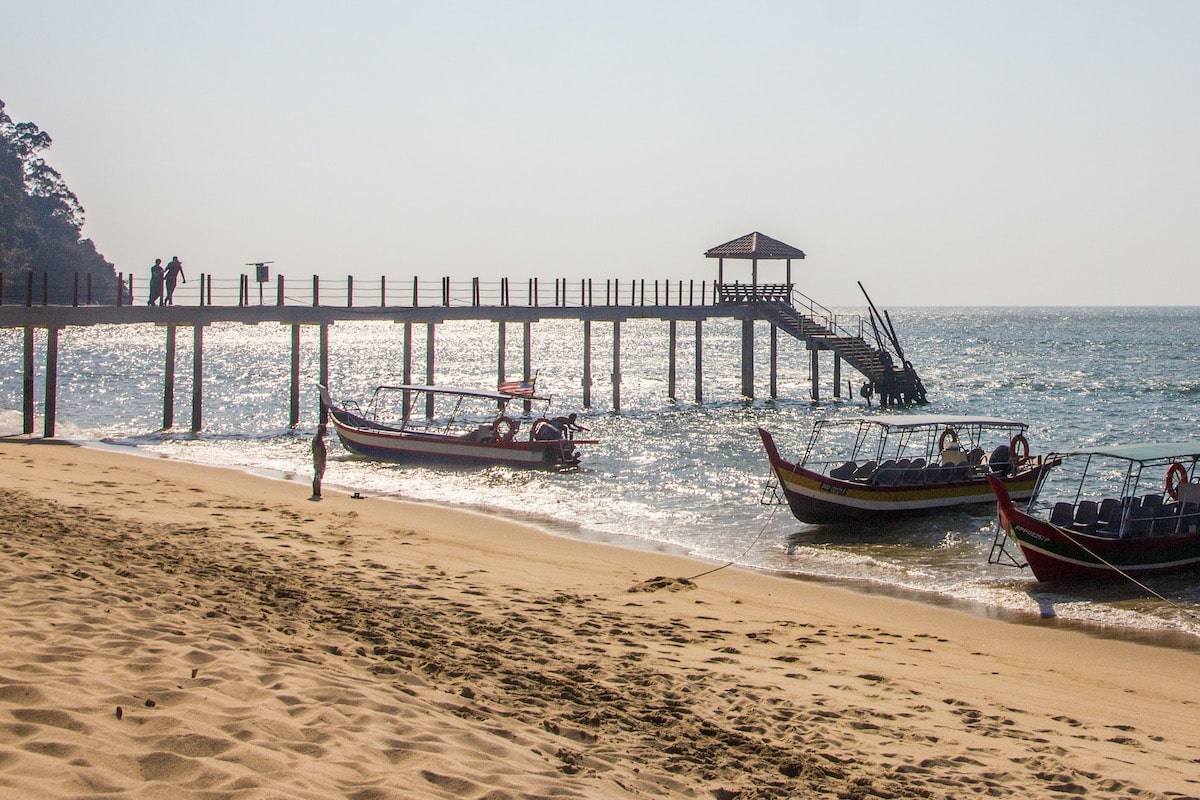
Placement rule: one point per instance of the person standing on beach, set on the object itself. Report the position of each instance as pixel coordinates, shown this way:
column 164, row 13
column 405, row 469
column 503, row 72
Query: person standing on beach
column 319, row 453
column 173, row 273
column 156, row 283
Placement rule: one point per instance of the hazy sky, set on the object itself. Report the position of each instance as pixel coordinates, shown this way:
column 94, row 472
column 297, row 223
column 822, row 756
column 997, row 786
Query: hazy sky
column 943, row 153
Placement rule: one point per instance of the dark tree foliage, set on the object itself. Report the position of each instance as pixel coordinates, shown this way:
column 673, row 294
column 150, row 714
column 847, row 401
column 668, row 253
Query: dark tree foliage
column 41, row 222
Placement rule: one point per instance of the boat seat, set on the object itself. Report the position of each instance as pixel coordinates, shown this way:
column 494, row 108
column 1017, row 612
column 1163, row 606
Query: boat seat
column 865, row 471
column 1152, row 500
column 888, row 476
column 1087, row 514
column 1062, row 514
column 1106, row 508
column 891, row 462
column 1141, row 520
column 844, row 472
column 975, row 457
column 903, row 463
column 917, row 463
column 961, row 472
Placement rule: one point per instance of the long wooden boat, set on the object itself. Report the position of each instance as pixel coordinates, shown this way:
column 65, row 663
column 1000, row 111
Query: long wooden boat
column 475, row 428
column 896, row 465
column 1105, row 513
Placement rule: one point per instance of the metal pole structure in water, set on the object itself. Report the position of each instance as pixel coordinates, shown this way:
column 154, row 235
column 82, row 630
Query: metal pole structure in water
column 407, row 379
column 816, row 373
column 699, row 362
column 324, row 368
column 774, row 361
column 168, row 421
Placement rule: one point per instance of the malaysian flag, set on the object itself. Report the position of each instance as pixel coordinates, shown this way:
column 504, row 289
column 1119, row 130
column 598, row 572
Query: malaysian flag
column 517, row 388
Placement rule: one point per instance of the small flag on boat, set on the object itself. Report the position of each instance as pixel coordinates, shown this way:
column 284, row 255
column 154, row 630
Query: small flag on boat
column 518, row 388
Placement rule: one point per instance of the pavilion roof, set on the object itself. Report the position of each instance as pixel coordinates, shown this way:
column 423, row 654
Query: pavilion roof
column 754, row 245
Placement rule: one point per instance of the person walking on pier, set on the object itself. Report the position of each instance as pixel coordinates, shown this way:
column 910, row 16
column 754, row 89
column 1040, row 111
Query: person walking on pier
column 173, row 273
column 156, row 283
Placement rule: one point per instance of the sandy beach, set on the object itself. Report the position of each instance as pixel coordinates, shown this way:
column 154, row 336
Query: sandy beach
column 186, row 632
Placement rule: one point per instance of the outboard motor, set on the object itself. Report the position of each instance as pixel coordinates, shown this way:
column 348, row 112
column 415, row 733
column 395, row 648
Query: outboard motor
column 1000, row 460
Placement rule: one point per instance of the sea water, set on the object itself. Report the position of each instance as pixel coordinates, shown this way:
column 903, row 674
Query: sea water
column 676, row 475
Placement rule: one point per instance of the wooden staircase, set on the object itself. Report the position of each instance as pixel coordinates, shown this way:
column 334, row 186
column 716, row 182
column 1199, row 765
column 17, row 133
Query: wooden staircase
column 853, row 349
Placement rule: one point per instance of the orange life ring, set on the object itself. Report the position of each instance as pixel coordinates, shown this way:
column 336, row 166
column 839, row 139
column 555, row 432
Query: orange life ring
column 505, row 429
column 946, row 434
column 1176, row 475
column 1018, row 450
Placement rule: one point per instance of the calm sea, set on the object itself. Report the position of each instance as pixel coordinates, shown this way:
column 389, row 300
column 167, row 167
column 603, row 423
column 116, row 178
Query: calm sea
column 679, row 476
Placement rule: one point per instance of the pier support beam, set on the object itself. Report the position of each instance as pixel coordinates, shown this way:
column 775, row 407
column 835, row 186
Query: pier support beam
column 587, row 363
column 27, row 383
column 168, row 421
column 407, row 367
column 51, row 402
column 197, row 377
column 816, row 373
column 323, row 360
column 699, row 362
column 837, row 375
column 501, row 351
column 671, row 360
column 294, row 395
column 429, row 353
column 527, row 358
column 748, row 358
column 774, row 362
column 616, row 370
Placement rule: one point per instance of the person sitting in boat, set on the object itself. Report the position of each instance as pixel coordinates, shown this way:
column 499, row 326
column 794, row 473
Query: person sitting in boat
column 557, row 428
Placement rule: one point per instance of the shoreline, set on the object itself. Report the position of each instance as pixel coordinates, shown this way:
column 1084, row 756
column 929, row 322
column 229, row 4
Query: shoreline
column 258, row 643
column 1176, row 638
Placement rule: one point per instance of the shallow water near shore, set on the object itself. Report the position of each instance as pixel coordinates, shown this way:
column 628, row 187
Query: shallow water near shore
column 677, row 475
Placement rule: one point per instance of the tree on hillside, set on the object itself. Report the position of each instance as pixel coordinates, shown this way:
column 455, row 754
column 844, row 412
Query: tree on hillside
column 41, row 221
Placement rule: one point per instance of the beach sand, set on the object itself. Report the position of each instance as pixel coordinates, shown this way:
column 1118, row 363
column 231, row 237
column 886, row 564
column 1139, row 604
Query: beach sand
column 175, row 631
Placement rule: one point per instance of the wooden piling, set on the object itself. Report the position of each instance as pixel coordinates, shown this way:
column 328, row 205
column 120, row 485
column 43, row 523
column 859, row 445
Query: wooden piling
column 587, row 363
column 27, row 384
column 168, row 420
column 671, row 360
column 429, row 349
column 323, row 368
column 50, row 406
column 748, row 358
column 294, row 394
column 774, row 362
column 197, row 376
column 616, row 370
column 699, row 362
column 816, row 373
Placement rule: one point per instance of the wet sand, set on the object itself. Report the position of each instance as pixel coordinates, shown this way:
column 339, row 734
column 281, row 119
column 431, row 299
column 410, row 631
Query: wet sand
column 180, row 631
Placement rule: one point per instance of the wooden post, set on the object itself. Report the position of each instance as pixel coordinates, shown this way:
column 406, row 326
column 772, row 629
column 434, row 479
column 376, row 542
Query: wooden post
column 816, row 373
column 837, row 375
column 27, row 388
column 382, row 291
column 501, row 351
column 616, row 372
column 51, row 402
column 169, row 380
column 279, row 300
column 324, row 369
column 699, row 362
column 429, row 334
column 294, row 395
column 407, row 367
column 349, row 291
column 587, row 363
column 527, row 358
column 197, row 376
column 671, row 361
column 748, row 358
column 774, row 361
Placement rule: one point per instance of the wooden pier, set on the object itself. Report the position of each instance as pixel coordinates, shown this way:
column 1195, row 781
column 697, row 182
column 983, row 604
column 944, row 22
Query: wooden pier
column 614, row 303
